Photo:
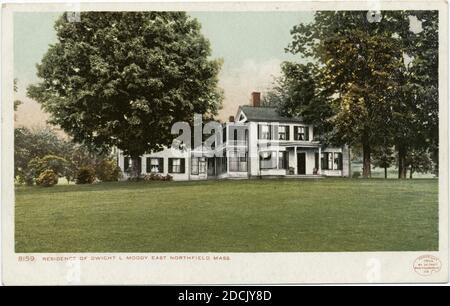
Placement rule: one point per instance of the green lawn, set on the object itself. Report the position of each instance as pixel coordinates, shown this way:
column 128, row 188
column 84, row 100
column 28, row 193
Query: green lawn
column 230, row 216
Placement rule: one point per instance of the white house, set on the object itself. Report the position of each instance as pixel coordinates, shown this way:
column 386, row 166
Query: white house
column 259, row 143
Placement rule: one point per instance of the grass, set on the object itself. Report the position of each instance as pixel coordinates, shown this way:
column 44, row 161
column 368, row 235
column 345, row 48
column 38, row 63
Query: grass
column 230, row 216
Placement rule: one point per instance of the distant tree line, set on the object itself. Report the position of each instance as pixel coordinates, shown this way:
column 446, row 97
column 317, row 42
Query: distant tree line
column 370, row 81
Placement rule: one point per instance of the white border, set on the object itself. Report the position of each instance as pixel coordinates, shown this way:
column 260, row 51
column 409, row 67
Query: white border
column 243, row 268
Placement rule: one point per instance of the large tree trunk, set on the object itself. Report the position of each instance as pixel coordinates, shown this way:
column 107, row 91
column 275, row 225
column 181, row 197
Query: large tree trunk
column 411, row 170
column 135, row 167
column 385, row 172
column 401, row 162
column 366, row 160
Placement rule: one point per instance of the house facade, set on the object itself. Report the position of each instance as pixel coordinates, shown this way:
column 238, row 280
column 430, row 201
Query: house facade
column 255, row 143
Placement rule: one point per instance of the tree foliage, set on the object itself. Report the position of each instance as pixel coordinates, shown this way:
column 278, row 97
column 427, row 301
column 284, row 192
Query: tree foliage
column 377, row 80
column 123, row 78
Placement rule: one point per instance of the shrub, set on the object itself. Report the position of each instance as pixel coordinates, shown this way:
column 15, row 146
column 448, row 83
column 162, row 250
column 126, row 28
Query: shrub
column 26, row 177
column 47, row 178
column 356, row 174
column 157, row 177
column 137, row 178
column 108, row 171
column 85, row 175
column 49, row 162
column 29, row 179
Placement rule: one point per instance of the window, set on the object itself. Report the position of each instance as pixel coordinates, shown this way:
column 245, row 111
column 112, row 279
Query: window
column 264, row 131
column 221, row 163
column 330, row 161
column 155, row 165
column 202, row 165
column 337, row 161
column 126, row 163
column 238, row 162
column 266, row 161
column 194, row 165
column 282, row 160
column 301, row 133
column 283, row 132
column 176, row 165
column 198, row 165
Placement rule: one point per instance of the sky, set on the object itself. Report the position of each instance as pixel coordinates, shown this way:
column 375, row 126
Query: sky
column 251, row 45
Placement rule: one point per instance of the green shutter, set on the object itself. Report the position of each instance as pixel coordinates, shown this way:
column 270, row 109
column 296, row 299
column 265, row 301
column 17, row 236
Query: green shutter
column 287, row 133
column 170, row 165
column 161, row 165
column 307, row 133
column 274, row 132
column 182, row 165
column 126, row 163
column 148, row 166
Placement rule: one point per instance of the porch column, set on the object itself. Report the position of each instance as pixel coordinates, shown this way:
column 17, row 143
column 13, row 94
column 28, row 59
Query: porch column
column 319, row 171
column 278, row 157
column 143, row 164
column 295, row 160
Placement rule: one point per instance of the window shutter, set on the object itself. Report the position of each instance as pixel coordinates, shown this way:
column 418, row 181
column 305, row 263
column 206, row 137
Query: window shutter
column 288, row 137
column 295, row 132
column 259, row 131
column 126, row 163
column 274, row 134
column 161, row 164
column 149, row 165
column 307, row 133
column 182, row 164
column 170, row 165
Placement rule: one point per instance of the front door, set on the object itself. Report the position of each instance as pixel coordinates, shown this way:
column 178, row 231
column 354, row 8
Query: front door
column 301, row 163
column 211, row 166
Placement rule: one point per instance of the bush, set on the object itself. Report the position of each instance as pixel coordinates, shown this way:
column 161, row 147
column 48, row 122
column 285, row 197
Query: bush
column 356, row 174
column 157, row 177
column 108, row 171
column 85, row 175
column 29, row 179
column 49, row 162
column 47, row 178
column 26, row 177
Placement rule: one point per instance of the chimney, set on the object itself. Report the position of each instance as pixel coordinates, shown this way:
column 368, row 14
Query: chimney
column 256, row 99
column 231, row 119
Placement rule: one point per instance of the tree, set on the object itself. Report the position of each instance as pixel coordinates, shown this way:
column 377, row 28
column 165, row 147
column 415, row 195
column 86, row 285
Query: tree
column 358, row 61
column 298, row 93
column 425, row 77
column 16, row 102
column 380, row 77
column 123, row 78
column 54, row 163
column 418, row 161
column 34, row 143
column 383, row 158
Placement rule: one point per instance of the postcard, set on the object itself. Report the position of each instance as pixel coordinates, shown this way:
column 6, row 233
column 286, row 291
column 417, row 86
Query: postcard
column 224, row 143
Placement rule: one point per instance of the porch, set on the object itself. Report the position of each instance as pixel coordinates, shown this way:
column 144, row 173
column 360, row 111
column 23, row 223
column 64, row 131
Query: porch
column 304, row 161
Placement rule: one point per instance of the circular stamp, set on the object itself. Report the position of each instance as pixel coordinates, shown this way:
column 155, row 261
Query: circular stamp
column 427, row 264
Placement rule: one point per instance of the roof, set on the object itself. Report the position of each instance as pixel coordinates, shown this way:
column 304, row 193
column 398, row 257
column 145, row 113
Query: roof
column 269, row 114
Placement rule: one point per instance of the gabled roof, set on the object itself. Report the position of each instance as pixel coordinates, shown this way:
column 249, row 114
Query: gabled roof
column 266, row 114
